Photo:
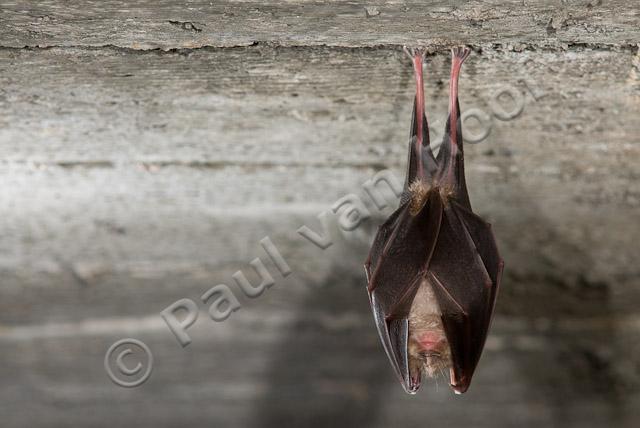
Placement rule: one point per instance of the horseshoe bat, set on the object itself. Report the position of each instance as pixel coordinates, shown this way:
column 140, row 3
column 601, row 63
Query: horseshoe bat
column 434, row 269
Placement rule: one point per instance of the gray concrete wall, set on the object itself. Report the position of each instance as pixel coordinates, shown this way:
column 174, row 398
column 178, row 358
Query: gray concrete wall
column 147, row 148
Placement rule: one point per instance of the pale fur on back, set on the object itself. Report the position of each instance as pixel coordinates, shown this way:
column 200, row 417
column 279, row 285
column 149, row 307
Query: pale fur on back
column 420, row 190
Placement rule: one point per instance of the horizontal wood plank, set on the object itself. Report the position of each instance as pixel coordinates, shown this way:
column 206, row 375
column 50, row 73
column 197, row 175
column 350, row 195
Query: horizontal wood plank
column 168, row 24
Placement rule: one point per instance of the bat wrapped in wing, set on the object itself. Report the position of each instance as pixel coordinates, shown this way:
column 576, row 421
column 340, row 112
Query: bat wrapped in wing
column 434, row 269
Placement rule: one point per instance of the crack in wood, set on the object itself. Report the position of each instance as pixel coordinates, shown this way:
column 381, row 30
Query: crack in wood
column 432, row 48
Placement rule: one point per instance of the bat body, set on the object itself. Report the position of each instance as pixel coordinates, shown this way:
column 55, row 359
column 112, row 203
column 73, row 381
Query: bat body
column 433, row 270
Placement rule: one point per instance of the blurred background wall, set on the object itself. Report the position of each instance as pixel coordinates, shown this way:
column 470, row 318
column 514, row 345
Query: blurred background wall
column 147, row 147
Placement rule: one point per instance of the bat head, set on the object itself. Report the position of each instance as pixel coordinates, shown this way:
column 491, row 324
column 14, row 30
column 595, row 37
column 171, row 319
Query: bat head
column 428, row 350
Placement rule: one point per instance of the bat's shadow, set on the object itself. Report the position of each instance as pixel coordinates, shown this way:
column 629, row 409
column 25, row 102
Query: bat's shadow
column 567, row 348
column 330, row 370
column 551, row 369
column 332, row 376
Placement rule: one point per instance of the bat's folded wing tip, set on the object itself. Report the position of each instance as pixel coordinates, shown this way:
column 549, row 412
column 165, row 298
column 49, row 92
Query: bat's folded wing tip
column 394, row 335
column 459, row 389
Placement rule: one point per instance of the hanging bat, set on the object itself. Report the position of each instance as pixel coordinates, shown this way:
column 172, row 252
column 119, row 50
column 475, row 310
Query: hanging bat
column 434, row 269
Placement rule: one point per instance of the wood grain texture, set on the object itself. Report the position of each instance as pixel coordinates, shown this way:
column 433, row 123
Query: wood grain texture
column 322, row 106
column 168, row 24
column 116, row 158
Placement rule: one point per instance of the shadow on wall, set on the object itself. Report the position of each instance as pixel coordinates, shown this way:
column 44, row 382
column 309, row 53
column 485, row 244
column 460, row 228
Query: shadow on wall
column 338, row 377
column 322, row 376
column 575, row 356
column 556, row 326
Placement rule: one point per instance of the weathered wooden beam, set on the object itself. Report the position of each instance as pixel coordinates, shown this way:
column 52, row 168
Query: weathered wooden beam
column 304, row 106
column 285, row 133
column 188, row 24
column 116, row 157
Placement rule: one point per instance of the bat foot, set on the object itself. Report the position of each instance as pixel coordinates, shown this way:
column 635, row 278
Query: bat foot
column 460, row 53
column 415, row 52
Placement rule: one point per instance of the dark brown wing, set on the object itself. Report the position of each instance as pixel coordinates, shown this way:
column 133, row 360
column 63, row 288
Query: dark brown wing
column 482, row 235
column 465, row 272
column 397, row 262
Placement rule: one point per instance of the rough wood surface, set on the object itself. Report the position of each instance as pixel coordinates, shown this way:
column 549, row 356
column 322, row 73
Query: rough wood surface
column 168, row 24
column 146, row 148
column 119, row 157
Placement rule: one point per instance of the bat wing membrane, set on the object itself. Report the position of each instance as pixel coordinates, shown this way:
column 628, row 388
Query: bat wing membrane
column 464, row 287
column 482, row 235
column 401, row 253
column 397, row 262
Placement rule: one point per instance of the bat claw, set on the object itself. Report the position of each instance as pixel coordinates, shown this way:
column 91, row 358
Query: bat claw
column 460, row 53
column 413, row 52
column 408, row 52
